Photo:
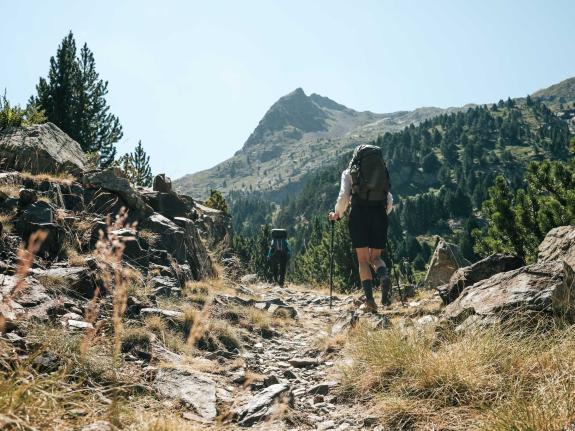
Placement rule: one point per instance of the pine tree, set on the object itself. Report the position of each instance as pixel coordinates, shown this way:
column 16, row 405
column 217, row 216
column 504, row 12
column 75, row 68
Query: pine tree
column 57, row 94
column 73, row 98
column 142, row 166
column 217, row 201
column 136, row 166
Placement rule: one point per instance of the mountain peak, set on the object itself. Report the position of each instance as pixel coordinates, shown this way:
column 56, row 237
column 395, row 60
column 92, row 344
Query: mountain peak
column 326, row 102
column 294, row 113
column 297, row 92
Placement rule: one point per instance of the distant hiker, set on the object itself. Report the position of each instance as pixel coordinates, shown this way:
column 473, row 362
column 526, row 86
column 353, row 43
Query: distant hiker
column 365, row 184
column 278, row 255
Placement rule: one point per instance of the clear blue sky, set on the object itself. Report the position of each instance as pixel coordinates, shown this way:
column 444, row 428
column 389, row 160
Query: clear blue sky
column 192, row 79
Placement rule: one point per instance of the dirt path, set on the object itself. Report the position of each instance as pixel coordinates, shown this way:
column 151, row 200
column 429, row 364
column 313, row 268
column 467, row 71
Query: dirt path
column 297, row 358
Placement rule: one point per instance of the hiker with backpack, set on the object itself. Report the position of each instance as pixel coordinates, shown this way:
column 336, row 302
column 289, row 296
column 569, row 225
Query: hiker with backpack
column 365, row 186
column 278, row 255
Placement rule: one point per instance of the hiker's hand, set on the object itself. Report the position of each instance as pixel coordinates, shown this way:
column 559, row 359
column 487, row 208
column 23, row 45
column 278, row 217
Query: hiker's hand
column 333, row 216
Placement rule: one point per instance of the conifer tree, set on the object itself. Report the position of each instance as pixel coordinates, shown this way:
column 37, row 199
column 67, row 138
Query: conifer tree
column 142, row 166
column 73, row 97
column 136, row 166
column 57, row 94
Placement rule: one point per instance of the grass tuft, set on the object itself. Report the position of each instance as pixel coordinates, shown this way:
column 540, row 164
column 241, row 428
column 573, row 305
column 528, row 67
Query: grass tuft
column 501, row 379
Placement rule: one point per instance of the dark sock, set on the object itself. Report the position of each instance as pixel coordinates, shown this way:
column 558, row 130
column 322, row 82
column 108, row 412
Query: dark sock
column 385, row 284
column 381, row 273
column 367, row 289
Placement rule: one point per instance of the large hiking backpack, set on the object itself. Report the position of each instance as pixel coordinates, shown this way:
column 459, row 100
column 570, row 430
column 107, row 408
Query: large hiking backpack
column 369, row 175
column 278, row 245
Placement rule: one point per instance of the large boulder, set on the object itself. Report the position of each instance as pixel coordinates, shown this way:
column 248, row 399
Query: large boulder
column 112, row 179
column 446, row 259
column 559, row 244
column 198, row 258
column 162, row 183
column 77, row 281
column 169, row 236
column 216, row 228
column 481, row 270
column 40, row 216
column 40, row 148
column 542, row 288
column 167, row 204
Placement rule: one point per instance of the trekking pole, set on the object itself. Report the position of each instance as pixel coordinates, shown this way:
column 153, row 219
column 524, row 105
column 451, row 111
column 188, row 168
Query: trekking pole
column 331, row 263
column 395, row 272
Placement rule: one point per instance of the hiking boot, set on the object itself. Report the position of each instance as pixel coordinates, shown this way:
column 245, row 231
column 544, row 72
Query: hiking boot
column 370, row 306
column 385, row 291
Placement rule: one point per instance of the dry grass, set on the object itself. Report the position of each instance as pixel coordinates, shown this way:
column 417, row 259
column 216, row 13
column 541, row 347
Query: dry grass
column 11, row 190
column 44, row 198
column 82, row 226
column 59, row 178
column 494, row 379
column 147, row 235
column 151, row 423
column 168, row 336
column 6, row 221
column 135, row 337
column 75, row 258
column 135, row 283
column 55, row 284
column 84, row 388
column 221, row 335
column 330, row 343
column 209, row 287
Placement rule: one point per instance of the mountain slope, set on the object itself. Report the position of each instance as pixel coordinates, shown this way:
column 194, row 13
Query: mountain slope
column 563, row 92
column 298, row 134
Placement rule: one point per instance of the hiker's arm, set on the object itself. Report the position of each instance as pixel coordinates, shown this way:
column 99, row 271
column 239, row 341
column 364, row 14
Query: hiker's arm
column 344, row 194
column 270, row 251
column 389, row 207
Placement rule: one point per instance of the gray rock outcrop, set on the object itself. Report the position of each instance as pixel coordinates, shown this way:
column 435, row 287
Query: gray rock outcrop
column 40, row 148
column 480, row 270
column 446, row 259
column 559, row 244
column 112, row 179
column 542, row 288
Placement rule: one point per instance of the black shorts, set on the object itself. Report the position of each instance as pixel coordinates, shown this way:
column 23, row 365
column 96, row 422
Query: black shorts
column 368, row 226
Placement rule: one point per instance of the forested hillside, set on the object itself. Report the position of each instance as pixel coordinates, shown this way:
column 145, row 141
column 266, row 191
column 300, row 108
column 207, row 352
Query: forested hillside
column 441, row 173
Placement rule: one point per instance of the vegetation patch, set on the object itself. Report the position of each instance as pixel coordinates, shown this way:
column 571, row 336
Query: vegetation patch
column 492, row 379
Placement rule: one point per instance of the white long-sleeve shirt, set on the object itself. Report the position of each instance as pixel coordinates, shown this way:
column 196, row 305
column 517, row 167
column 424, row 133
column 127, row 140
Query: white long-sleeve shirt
column 344, row 197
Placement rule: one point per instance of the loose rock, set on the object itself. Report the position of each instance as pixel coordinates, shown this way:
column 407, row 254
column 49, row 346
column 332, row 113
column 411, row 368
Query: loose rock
column 191, row 388
column 259, row 407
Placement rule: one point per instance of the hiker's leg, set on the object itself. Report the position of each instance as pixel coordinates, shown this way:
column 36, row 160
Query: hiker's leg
column 274, row 264
column 375, row 259
column 282, row 269
column 382, row 274
column 365, row 276
column 363, row 260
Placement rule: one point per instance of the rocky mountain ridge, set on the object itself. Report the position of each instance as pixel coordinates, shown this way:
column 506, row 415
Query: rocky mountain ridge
column 300, row 133
column 296, row 135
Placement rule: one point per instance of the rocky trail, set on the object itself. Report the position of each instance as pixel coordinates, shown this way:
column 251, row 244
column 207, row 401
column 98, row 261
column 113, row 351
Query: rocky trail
column 299, row 364
column 285, row 379
column 295, row 361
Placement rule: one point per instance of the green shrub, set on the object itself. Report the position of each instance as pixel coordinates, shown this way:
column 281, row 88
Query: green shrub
column 14, row 116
